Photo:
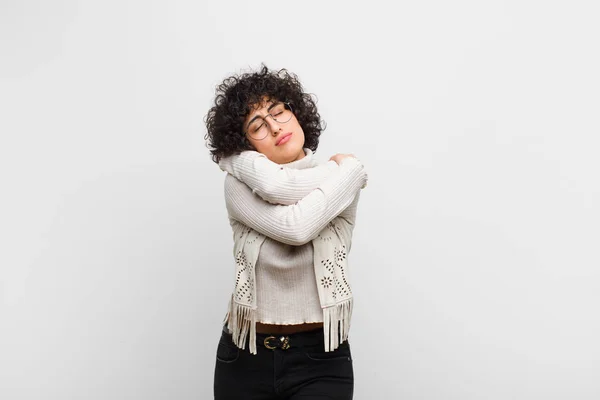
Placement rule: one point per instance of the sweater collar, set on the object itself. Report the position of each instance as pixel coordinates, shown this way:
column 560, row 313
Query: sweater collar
column 307, row 161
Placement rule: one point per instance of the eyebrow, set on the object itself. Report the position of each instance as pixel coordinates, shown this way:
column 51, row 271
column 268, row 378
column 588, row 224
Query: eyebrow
column 258, row 116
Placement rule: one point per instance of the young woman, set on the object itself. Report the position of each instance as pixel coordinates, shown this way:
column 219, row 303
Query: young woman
column 285, row 333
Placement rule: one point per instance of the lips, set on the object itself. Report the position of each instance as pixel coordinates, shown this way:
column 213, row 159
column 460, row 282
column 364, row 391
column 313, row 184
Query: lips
column 282, row 137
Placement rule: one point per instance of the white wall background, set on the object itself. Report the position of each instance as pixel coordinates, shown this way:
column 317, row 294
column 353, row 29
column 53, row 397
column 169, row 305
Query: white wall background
column 475, row 259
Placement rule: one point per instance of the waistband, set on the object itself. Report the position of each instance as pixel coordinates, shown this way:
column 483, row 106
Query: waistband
column 300, row 339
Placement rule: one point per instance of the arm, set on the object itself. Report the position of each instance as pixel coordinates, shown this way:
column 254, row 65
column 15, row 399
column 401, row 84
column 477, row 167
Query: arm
column 298, row 223
column 273, row 182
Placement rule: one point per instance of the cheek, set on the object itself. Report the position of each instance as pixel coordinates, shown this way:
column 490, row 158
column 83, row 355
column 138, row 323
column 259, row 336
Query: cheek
column 299, row 129
column 265, row 146
column 260, row 147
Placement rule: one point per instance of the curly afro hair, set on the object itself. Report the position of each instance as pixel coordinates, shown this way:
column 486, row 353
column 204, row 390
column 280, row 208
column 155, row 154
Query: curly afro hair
column 237, row 95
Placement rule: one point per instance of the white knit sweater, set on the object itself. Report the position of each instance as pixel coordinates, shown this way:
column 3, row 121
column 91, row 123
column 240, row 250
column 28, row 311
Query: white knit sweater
column 285, row 278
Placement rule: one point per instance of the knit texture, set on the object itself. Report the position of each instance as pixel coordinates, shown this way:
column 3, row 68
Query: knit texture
column 298, row 203
column 286, row 290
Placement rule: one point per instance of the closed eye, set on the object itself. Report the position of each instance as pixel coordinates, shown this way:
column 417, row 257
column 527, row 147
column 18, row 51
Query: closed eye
column 259, row 127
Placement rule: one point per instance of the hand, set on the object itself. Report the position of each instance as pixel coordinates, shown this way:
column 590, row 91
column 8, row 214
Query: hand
column 339, row 157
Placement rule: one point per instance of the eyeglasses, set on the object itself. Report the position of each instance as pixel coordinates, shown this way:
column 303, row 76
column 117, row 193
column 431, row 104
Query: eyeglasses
column 281, row 113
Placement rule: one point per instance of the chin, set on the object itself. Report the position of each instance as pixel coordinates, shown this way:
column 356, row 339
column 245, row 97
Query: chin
column 296, row 147
column 290, row 147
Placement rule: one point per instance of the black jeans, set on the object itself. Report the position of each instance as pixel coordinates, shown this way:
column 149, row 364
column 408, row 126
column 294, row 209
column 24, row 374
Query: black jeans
column 303, row 371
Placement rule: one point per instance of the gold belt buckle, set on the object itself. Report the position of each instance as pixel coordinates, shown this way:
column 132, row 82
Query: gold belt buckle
column 284, row 343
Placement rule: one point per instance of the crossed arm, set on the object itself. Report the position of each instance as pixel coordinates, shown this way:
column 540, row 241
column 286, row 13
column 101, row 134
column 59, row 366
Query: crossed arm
column 275, row 183
column 291, row 205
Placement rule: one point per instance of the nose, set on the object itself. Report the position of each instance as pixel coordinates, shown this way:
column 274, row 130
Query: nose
column 274, row 125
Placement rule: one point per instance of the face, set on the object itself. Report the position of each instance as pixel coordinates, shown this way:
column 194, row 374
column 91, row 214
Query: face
column 283, row 142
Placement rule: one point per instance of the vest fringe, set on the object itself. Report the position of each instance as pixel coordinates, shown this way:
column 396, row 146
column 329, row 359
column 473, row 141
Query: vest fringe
column 241, row 320
column 336, row 324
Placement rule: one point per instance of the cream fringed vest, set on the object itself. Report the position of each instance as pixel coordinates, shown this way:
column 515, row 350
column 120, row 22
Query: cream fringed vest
column 331, row 247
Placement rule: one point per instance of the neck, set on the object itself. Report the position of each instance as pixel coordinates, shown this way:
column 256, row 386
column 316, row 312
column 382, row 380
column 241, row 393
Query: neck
column 303, row 160
column 301, row 155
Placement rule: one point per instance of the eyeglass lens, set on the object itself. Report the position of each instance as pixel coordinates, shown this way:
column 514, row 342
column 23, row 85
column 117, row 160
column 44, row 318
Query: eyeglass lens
column 281, row 113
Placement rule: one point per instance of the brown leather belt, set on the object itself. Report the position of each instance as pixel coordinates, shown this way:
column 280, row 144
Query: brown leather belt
column 286, row 329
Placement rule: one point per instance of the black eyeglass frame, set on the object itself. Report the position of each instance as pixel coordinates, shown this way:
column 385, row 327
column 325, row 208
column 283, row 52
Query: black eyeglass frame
column 274, row 119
